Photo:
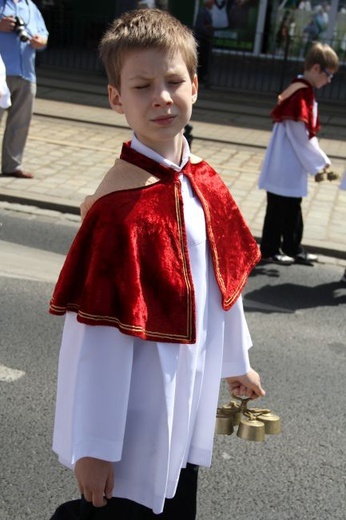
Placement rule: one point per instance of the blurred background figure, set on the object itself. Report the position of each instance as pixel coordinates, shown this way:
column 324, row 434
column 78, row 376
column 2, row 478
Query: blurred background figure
column 204, row 35
column 22, row 33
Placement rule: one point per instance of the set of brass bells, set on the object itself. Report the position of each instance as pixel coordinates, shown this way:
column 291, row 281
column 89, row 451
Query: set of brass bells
column 253, row 423
column 326, row 175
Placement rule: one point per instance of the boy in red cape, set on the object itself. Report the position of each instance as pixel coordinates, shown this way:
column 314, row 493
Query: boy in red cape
column 294, row 153
column 151, row 288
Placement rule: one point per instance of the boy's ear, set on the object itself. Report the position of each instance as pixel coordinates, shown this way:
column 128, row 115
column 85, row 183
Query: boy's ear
column 194, row 89
column 114, row 99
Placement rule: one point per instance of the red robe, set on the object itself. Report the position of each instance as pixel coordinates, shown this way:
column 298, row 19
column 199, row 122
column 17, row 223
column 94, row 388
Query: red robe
column 299, row 106
column 128, row 266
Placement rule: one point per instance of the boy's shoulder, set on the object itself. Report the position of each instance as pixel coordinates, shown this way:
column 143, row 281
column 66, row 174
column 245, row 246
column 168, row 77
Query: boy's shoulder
column 122, row 176
column 296, row 85
column 297, row 104
column 194, row 159
column 290, row 90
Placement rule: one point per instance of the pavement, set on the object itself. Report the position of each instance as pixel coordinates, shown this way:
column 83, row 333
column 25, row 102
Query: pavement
column 75, row 137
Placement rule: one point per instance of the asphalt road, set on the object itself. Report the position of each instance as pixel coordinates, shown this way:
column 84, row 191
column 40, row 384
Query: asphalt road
column 296, row 316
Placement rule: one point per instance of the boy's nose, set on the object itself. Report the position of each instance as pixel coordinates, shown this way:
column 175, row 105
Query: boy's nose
column 162, row 96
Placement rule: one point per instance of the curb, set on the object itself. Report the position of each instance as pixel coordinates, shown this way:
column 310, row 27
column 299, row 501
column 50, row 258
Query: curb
column 46, row 203
column 42, row 203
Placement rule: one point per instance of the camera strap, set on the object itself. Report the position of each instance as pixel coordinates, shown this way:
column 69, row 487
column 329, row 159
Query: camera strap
column 29, row 9
column 5, row 3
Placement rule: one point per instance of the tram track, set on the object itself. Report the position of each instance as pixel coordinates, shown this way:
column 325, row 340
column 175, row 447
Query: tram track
column 239, row 120
column 202, row 138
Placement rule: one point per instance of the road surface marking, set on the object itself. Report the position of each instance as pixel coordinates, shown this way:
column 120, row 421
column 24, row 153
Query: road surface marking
column 8, row 375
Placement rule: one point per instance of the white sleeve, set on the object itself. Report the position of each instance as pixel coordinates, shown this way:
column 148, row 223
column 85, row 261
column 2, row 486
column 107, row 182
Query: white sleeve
column 93, row 390
column 237, row 342
column 5, row 95
column 343, row 182
column 308, row 151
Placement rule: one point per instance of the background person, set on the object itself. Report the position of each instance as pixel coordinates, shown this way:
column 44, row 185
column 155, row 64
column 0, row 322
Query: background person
column 18, row 47
column 204, row 35
column 292, row 154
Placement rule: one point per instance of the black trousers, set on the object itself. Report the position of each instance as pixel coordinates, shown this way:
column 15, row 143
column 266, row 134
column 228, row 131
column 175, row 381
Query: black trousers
column 182, row 506
column 283, row 226
column 205, row 46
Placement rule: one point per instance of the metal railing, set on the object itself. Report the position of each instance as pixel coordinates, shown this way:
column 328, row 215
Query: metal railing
column 268, row 73
column 73, row 46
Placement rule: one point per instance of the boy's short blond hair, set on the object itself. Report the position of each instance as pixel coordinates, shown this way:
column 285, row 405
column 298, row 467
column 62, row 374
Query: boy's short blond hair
column 145, row 29
column 323, row 55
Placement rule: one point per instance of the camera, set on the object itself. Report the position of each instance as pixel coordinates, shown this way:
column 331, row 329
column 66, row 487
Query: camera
column 19, row 29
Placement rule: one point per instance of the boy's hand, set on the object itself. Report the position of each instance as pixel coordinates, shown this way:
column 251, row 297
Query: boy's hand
column 248, row 385
column 95, row 479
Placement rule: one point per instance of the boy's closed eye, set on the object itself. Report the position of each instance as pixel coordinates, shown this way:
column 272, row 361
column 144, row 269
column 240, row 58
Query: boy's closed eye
column 175, row 79
column 175, row 82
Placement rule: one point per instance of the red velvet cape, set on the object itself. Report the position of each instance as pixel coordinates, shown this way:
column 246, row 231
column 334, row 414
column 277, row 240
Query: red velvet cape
column 128, row 266
column 299, row 107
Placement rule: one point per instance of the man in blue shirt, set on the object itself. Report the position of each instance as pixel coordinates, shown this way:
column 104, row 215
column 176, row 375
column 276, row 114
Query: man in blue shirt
column 22, row 32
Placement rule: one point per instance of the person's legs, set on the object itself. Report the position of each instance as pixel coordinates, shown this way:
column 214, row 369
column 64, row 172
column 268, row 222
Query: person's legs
column 204, row 55
column 184, row 503
column 293, row 226
column 272, row 226
column 18, row 122
column 293, row 233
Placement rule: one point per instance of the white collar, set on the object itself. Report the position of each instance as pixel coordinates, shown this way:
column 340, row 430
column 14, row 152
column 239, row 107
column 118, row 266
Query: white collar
column 148, row 152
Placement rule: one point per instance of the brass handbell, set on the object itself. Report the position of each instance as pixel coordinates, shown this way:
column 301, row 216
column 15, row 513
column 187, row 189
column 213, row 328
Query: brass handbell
column 233, row 408
column 272, row 423
column 251, row 430
column 253, row 423
column 224, row 422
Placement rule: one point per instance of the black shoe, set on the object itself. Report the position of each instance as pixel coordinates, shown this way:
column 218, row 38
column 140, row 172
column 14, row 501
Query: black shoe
column 305, row 258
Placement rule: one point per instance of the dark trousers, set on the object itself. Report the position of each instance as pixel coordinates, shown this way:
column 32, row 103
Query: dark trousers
column 181, row 506
column 283, row 226
column 204, row 58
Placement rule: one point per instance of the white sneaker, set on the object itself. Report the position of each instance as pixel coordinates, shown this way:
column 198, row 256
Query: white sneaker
column 279, row 259
column 306, row 258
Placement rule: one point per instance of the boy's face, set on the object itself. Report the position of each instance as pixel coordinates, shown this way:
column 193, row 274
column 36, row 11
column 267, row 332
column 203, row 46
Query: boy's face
column 319, row 77
column 156, row 95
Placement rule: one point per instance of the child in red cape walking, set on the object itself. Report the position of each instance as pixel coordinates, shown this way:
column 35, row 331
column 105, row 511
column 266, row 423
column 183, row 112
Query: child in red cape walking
column 292, row 154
